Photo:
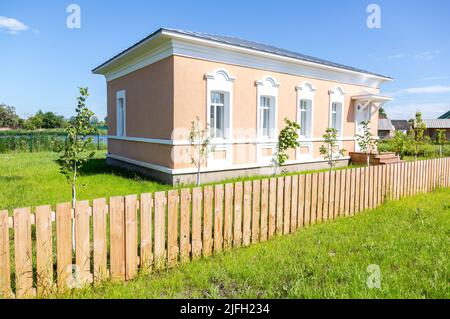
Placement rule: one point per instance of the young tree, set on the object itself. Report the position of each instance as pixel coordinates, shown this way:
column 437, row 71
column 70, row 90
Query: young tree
column 8, row 116
column 287, row 139
column 200, row 146
column 416, row 134
column 400, row 143
column 441, row 139
column 366, row 141
column 75, row 152
column 330, row 150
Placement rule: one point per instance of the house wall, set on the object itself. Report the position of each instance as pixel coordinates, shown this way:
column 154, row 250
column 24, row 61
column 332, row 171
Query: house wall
column 190, row 101
column 149, row 112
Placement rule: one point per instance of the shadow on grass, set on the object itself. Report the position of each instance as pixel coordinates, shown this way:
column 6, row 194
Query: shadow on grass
column 97, row 166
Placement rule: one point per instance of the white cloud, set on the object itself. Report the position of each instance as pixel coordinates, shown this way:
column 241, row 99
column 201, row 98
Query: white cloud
column 398, row 56
column 427, row 55
column 434, row 78
column 11, row 25
column 436, row 89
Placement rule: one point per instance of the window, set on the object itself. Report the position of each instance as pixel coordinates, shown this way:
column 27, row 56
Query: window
column 336, row 117
column 217, row 114
column 264, row 111
column 305, row 118
column 305, row 97
column 337, row 99
column 267, row 92
column 120, row 113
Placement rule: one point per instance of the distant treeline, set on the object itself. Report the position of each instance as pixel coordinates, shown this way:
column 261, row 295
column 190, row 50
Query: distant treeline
column 41, row 120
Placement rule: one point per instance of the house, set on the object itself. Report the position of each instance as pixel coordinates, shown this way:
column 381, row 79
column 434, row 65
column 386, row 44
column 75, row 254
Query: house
column 401, row 125
column 242, row 90
column 445, row 116
column 385, row 128
column 437, row 124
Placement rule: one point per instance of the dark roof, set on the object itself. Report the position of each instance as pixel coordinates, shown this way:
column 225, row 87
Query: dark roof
column 248, row 45
column 445, row 116
column 439, row 123
column 400, row 124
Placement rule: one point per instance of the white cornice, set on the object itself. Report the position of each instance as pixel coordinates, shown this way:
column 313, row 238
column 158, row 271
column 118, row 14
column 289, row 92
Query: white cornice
column 175, row 44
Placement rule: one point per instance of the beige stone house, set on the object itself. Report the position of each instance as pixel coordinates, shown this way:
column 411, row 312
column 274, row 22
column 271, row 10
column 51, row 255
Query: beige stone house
column 242, row 90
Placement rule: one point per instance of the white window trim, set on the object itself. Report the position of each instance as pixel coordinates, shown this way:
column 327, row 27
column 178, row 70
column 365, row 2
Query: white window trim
column 121, row 95
column 337, row 95
column 306, row 91
column 220, row 80
column 267, row 86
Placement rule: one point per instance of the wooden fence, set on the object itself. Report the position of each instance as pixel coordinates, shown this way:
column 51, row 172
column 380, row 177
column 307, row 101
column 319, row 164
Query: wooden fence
column 154, row 231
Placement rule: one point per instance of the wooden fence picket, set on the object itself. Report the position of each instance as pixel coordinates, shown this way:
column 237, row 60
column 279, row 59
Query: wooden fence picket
column 256, row 211
column 64, row 245
column 196, row 235
column 351, row 209
column 160, row 230
column 326, row 195
column 342, row 194
column 208, row 196
column 100, row 251
column 173, row 200
column 347, row 191
column 314, row 188
column 228, row 217
column 117, row 237
column 218, row 218
column 294, row 203
column 301, row 201
column 185, row 224
column 146, row 218
column 337, row 194
column 247, row 213
column 237, row 234
column 331, row 196
column 357, row 191
column 272, row 208
column 320, row 196
column 264, row 209
column 23, row 253
column 287, row 205
column 280, row 202
column 307, row 211
column 82, row 242
column 5, row 267
column 44, row 250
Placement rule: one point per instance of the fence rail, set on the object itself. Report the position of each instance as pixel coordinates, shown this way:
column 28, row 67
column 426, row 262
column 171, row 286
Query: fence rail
column 154, row 231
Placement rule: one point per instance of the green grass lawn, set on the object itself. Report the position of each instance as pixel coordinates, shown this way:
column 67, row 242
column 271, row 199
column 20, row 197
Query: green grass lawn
column 407, row 239
column 30, row 179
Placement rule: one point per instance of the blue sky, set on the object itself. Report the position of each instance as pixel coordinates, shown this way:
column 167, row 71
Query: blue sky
column 42, row 62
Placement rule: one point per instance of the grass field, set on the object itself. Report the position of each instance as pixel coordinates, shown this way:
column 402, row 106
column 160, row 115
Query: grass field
column 32, row 179
column 407, row 239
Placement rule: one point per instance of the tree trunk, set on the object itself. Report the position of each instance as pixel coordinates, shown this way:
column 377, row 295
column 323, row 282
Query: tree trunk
column 74, row 202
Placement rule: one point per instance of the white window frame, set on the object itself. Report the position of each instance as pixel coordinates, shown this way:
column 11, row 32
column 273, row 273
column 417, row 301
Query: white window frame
column 267, row 87
column 121, row 95
column 306, row 91
column 221, row 81
column 337, row 95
